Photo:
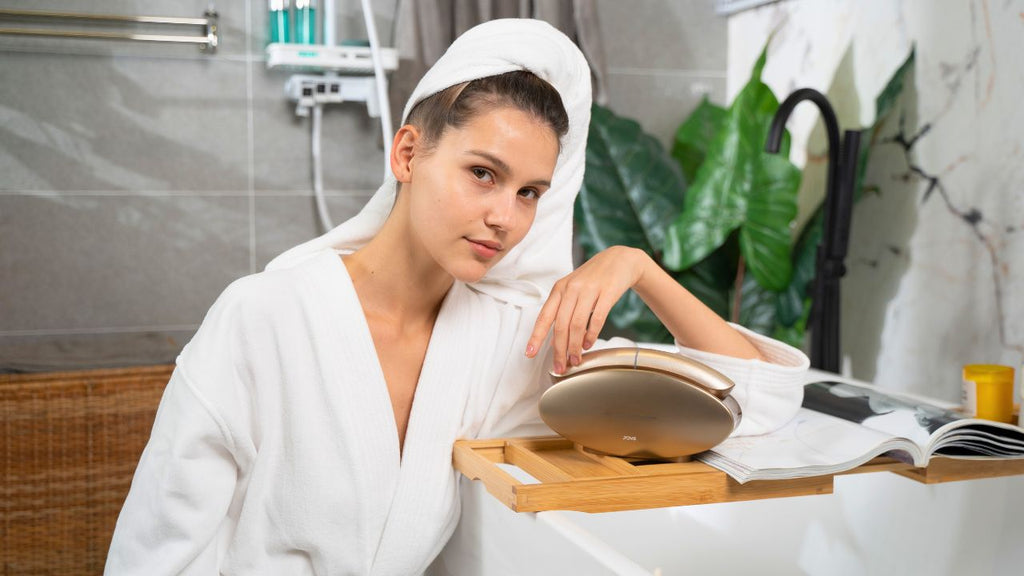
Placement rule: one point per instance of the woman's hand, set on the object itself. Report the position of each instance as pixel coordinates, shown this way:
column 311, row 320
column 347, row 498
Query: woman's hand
column 580, row 302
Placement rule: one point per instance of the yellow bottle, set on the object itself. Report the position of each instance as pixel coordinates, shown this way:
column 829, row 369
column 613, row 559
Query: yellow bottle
column 988, row 392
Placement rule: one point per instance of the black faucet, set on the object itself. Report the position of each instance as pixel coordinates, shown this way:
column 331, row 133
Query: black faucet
column 842, row 179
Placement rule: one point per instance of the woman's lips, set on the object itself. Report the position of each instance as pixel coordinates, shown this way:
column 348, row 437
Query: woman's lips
column 484, row 248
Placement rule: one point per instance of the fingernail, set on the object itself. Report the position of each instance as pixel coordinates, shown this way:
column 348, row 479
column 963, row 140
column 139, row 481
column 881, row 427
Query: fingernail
column 574, row 360
column 530, row 349
column 587, row 344
column 559, row 368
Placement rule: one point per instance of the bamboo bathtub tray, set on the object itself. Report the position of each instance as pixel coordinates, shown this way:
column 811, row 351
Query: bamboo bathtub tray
column 570, row 478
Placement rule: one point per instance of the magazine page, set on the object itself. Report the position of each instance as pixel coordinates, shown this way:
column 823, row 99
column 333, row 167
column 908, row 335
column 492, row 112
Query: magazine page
column 811, row 444
column 979, row 439
column 892, row 414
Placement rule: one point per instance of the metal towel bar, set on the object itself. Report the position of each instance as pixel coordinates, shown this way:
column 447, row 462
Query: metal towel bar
column 206, row 41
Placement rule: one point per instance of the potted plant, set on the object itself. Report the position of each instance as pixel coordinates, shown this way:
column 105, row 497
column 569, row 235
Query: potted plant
column 716, row 213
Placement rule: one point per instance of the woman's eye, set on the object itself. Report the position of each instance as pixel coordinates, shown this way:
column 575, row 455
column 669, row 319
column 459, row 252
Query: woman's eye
column 529, row 193
column 482, row 174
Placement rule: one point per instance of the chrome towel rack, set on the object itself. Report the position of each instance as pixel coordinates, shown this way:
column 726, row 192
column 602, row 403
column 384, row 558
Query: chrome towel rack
column 207, row 40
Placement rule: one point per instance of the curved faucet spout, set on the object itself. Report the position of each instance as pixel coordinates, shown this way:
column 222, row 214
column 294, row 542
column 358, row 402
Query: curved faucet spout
column 778, row 126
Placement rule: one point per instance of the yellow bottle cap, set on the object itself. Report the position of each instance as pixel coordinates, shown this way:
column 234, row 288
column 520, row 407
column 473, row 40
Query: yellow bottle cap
column 988, row 391
column 988, row 373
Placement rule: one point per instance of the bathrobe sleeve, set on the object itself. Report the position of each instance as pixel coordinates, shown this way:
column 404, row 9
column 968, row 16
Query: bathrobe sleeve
column 187, row 475
column 769, row 391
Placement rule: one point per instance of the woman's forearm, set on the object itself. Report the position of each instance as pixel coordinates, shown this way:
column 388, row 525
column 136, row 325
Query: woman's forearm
column 692, row 323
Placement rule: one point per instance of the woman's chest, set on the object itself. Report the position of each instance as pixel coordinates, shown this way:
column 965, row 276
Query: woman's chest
column 401, row 357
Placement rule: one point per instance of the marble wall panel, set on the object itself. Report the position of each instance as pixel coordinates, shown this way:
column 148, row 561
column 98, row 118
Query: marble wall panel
column 935, row 256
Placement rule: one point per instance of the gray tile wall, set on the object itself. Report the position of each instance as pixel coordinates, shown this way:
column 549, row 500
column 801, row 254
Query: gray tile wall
column 138, row 180
column 663, row 57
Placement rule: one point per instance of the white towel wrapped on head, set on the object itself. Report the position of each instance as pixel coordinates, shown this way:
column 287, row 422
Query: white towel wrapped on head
column 525, row 275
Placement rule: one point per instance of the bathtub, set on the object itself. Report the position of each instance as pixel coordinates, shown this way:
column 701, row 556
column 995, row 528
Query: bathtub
column 878, row 523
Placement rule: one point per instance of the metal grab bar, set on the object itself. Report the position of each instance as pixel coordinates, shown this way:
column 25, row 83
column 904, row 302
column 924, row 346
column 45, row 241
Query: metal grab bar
column 207, row 41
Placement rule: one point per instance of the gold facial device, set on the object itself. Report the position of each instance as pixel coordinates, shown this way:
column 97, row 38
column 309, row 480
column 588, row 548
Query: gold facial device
column 641, row 403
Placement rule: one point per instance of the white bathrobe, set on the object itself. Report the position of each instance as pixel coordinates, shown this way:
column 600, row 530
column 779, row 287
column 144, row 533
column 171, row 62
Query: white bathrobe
column 275, row 449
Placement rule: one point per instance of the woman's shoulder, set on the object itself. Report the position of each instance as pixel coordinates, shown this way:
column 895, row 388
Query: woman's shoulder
column 266, row 291
column 284, row 282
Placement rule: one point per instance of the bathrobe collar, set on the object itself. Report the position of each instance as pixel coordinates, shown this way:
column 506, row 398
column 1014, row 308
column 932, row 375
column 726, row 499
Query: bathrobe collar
column 413, row 481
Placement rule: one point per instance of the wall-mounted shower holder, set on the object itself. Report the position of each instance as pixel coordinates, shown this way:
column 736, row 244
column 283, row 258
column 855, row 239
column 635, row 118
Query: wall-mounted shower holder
column 308, row 90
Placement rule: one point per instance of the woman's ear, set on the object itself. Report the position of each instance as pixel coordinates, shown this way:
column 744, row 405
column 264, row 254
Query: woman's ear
column 402, row 152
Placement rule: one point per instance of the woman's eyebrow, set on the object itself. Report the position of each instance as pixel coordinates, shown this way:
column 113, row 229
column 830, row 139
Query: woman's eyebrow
column 502, row 166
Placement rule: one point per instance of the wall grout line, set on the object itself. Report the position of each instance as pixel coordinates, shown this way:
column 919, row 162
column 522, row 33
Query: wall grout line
column 101, row 330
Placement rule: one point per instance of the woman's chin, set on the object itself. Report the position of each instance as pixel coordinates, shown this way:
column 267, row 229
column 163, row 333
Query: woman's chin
column 469, row 272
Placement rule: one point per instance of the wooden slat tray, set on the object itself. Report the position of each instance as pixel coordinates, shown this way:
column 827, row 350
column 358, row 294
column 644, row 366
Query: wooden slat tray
column 570, row 478
column 953, row 470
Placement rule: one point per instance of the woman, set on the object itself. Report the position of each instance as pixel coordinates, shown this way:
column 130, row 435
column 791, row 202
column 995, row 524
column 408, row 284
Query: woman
column 288, row 441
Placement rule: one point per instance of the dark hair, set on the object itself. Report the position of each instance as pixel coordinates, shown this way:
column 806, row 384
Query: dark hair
column 457, row 105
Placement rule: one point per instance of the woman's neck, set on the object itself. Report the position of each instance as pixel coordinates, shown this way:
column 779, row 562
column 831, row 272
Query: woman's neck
column 396, row 280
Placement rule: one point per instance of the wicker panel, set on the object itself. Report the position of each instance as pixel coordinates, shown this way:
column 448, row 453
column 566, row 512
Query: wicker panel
column 69, row 444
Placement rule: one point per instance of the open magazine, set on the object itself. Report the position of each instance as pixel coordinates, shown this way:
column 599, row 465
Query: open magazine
column 842, row 426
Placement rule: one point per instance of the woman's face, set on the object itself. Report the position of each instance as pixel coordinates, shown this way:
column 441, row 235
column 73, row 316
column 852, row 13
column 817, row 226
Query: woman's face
column 473, row 197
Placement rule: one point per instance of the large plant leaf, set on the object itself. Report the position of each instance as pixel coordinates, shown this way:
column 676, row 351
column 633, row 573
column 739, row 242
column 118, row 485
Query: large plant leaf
column 631, row 191
column 729, row 192
column 765, row 238
column 710, row 281
column 631, row 187
column 794, row 335
column 795, row 298
column 695, row 135
column 893, row 91
column 757, row 306
column 632, row 314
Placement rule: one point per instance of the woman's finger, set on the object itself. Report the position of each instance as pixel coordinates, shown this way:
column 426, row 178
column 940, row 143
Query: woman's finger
column 560, row 329
column 543, row 323
column 578, row 325
column 598, row 317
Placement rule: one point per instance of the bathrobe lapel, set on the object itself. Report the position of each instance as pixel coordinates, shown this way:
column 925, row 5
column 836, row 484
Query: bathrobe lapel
column 427, row 489
column 407, row 493
column 361, row 395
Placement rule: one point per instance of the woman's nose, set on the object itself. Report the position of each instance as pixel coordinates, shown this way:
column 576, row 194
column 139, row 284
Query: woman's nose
column 501, row 211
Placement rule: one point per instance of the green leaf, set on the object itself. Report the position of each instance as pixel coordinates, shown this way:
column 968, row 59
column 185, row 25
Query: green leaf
column 740, row 187
column 632, row 314
column 695, row 135
column 631, row 191
column 794, row 335
column 765, row 238
column 796, row 297
column 893, row 90
column 710, row 281
column 631, row 187
column 757, row 306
